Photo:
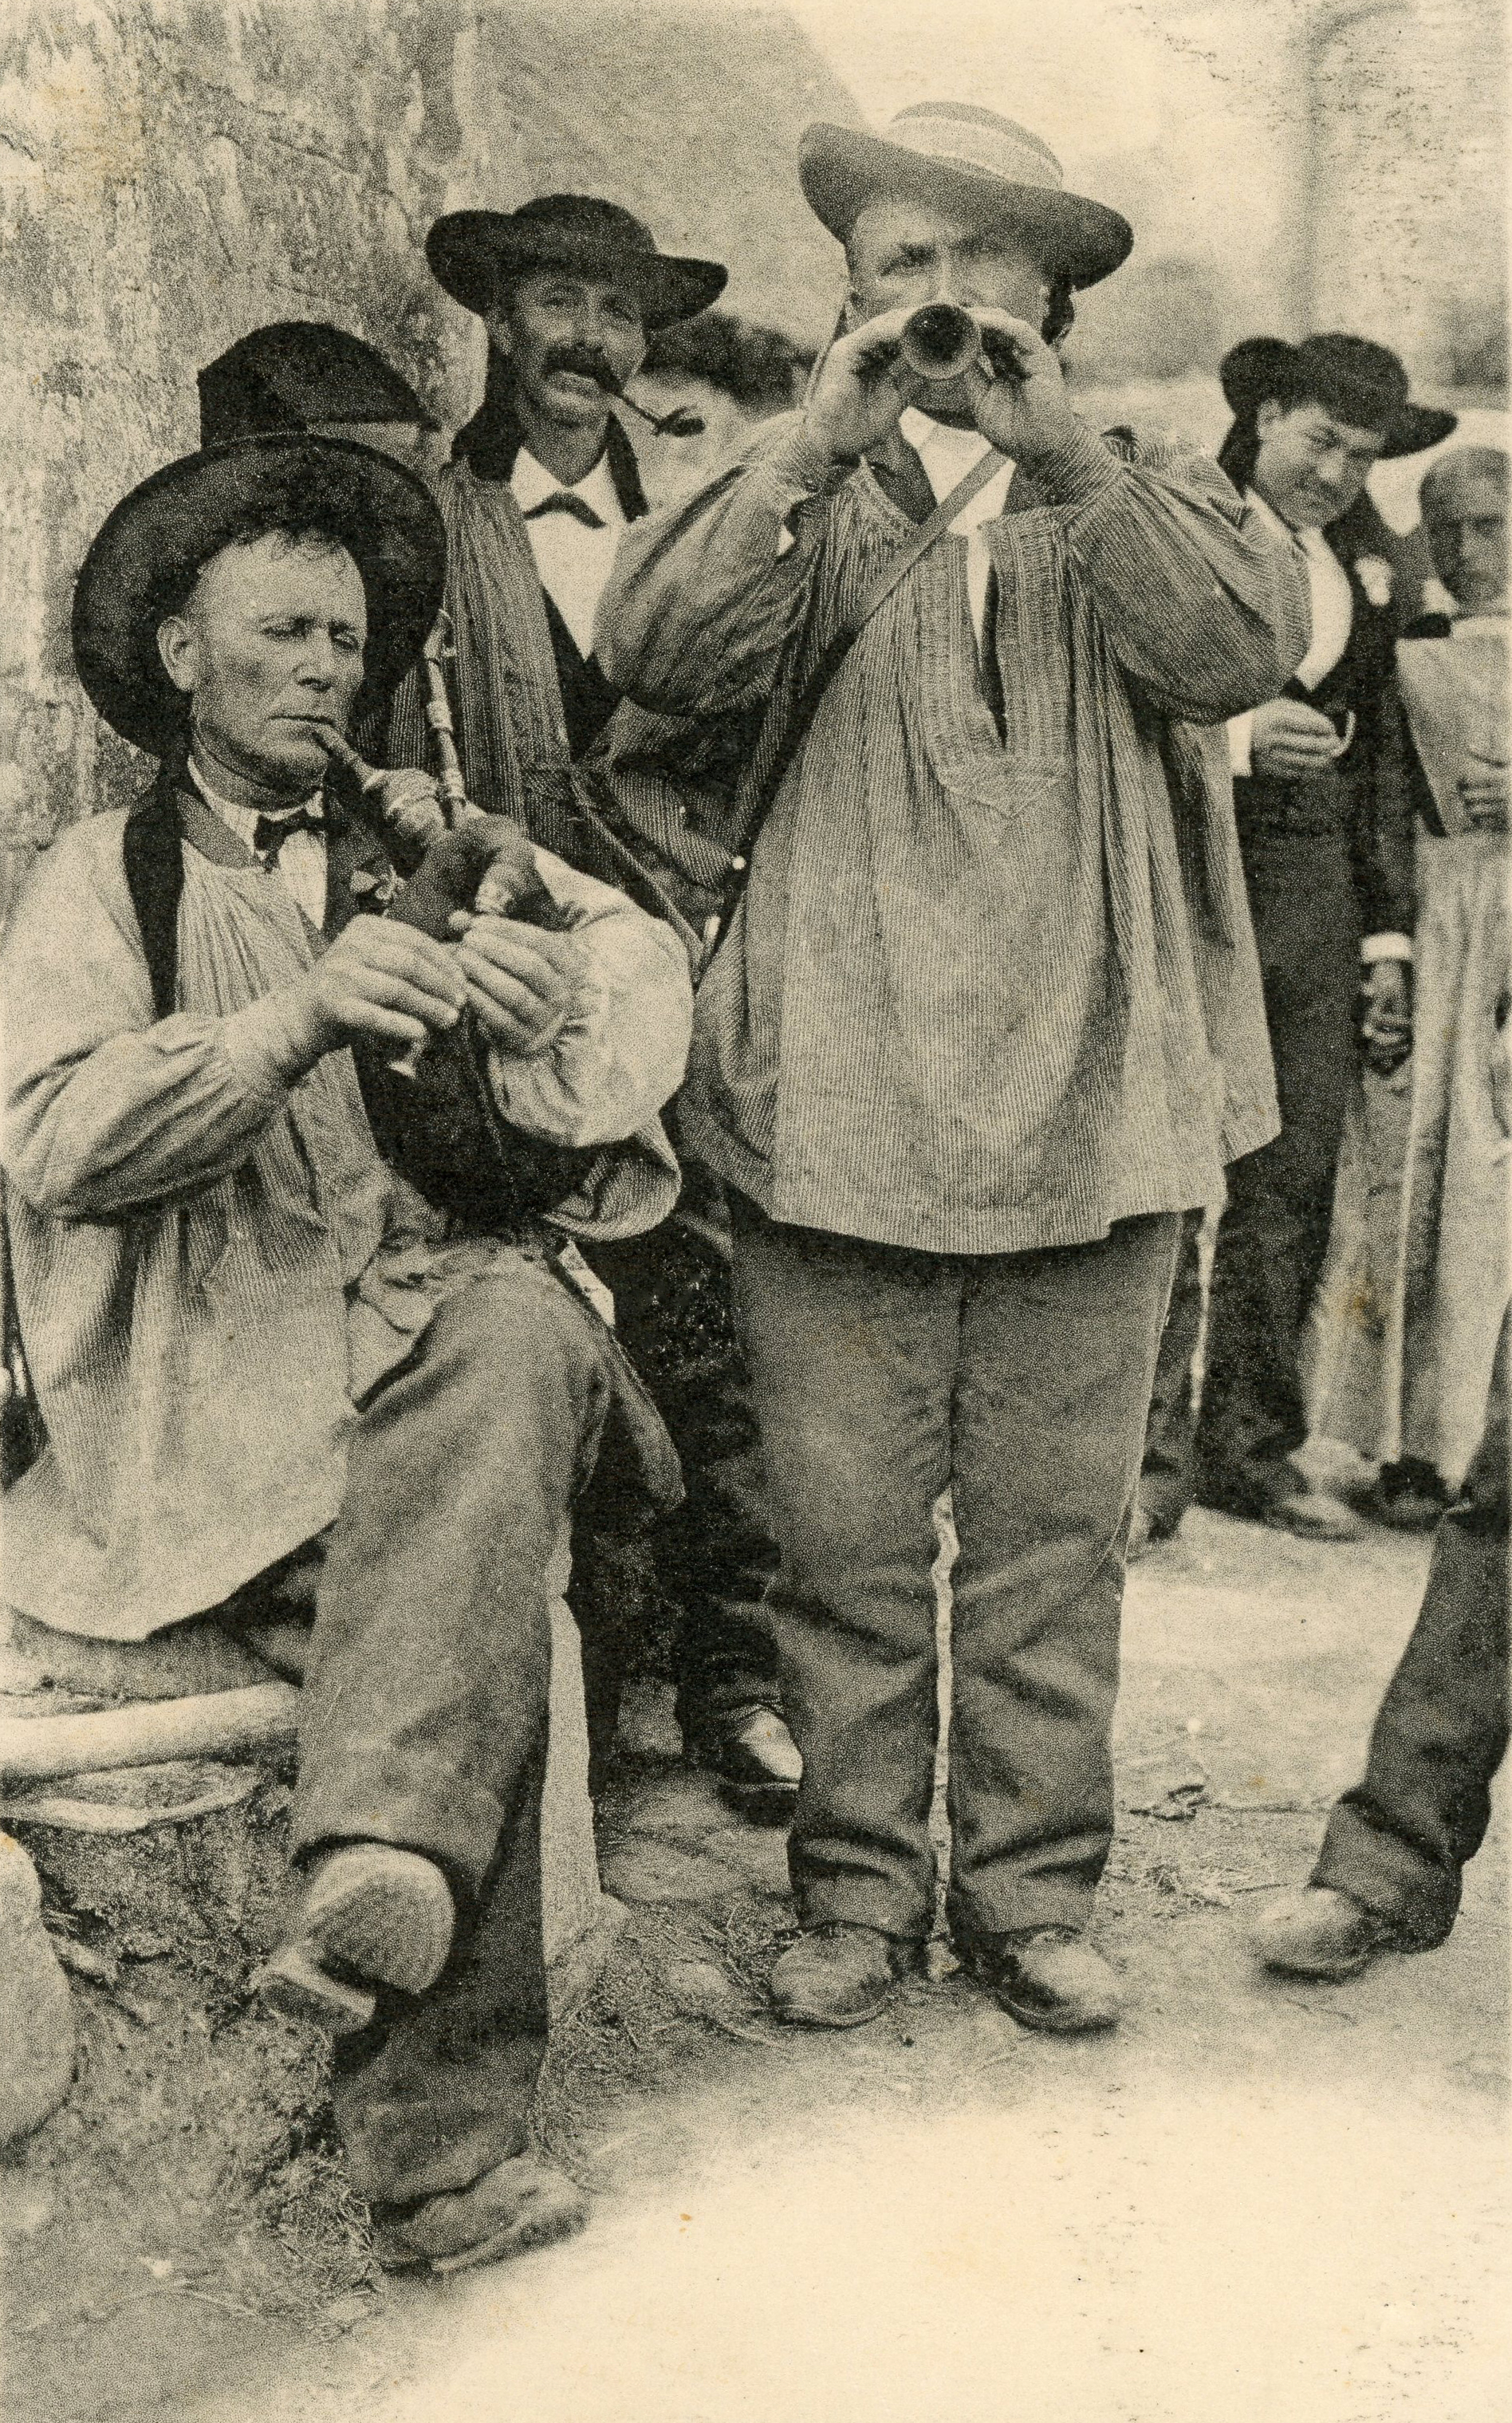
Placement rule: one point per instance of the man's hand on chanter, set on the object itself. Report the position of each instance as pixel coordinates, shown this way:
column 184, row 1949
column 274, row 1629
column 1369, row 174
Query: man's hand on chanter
column 377, row 979
column 525, row 985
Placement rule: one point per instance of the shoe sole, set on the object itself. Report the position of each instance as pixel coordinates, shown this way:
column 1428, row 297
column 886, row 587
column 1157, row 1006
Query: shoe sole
column 763, row 1804
column 367, row 1926
column 1048, row 2023
column 790, row 2014
column 545, row 2218
column 294, row 1984
column 1337, row 1972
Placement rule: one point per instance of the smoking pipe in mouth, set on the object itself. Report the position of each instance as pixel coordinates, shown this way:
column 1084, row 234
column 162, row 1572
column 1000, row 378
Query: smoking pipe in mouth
column 677, row 423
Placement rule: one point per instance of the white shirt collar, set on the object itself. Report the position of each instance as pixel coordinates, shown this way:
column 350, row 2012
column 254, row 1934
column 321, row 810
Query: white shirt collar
column 1330, row 595
column 1304, row 534
column 947, row 456
column 243, row 821
column 532, row 483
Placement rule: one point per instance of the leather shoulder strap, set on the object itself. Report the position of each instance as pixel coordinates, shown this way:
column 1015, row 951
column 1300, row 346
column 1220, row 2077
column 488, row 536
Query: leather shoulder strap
column 153, row 858
column 799, row 720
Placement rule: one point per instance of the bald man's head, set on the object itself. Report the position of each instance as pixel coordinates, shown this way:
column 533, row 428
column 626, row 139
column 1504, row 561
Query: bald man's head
column 1464, row 519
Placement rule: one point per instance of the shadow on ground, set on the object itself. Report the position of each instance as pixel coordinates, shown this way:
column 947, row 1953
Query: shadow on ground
column 1255, row 2201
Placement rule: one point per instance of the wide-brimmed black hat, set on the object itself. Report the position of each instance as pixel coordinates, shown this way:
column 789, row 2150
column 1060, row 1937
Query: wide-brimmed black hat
column 1356, row 380
column 142, row 565
column 470, row 251
column 996, row 173
column 296, row 372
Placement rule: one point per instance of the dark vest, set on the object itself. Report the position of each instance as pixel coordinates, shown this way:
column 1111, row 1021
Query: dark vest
column 489, row 444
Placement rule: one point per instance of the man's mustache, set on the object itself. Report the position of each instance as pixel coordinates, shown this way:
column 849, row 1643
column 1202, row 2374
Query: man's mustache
column 584, row 362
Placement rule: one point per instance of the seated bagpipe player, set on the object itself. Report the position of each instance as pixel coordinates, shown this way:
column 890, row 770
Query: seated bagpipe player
column 253, row 1347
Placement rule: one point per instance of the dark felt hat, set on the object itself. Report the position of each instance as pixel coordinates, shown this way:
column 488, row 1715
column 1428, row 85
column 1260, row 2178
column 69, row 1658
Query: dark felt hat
column 470, row 251
column 1359, row 382
column 296, row 372
column 143, row 564
column 995, row 172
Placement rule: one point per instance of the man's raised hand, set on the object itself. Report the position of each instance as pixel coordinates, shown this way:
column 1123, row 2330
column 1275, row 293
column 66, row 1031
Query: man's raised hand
column 862, row 388
column 1018, row 393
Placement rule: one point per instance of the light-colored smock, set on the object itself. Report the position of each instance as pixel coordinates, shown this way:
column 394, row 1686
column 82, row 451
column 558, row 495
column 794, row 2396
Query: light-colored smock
column 211, row 1265
column 992, row 985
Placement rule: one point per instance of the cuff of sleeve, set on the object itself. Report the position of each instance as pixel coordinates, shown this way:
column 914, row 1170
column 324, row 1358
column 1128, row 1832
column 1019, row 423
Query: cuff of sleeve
column 265, row 1046
column 1241, row 743
column 1385, row 946
column 1076, row 471
column 801, row 466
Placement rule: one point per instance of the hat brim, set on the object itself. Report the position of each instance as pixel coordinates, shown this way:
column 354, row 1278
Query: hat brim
column 144, row 560
column 467, row 249
column 1258, row 367
column 841, row 170
column 1416, row 427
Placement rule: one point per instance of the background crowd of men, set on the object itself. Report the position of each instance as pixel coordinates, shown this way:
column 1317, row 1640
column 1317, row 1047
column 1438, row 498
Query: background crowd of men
column 1053, row 826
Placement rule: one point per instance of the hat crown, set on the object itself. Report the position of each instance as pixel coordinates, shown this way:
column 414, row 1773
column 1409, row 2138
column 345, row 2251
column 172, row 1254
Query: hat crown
column 976, row 138
column 292, row 372
column 588, row 220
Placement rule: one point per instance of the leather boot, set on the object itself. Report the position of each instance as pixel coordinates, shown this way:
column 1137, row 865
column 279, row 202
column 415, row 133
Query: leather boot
column 841, row 1975
column 1047, row 1977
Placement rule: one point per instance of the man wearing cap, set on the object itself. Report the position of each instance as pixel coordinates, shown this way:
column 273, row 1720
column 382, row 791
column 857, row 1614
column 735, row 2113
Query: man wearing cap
column 542, row 485
column 1324, row 815
column 307, row 374
column 985, row 1023
column 256, row 1357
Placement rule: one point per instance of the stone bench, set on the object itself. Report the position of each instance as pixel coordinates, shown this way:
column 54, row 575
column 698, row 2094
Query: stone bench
column 581, row 1920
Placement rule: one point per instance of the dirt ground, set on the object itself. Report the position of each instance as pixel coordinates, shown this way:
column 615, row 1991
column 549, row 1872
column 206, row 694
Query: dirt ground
column 1255, row 2201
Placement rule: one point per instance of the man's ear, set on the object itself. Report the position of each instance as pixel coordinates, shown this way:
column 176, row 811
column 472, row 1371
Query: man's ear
column 179, row 647
column 497, row 321
column 1269, row 415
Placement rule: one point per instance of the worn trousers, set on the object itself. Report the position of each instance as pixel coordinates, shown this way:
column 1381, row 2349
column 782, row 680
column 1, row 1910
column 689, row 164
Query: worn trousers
column 1020, row 1383
column 425, row 1703
column 1273, row 1237
column 714, row 1553
column 1171, row 1435
column 1399, row 1841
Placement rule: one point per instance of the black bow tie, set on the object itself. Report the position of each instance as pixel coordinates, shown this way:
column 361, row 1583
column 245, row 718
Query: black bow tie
column 270, row 833
column 563, row 501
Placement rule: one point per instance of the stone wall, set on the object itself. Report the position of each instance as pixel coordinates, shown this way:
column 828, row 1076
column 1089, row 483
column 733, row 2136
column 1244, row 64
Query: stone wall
column 173, row 172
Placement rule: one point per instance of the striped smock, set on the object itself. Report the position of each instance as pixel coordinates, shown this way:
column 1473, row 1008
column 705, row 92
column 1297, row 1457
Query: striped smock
column 992, row 985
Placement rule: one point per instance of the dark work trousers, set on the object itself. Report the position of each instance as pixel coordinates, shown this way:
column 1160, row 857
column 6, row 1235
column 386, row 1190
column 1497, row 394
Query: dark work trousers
column 1399, row 1841
column 1274, row 1234
column 1021, row 1383
column 1170, row 1437
column 425, row 1703
column 714, row 1555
